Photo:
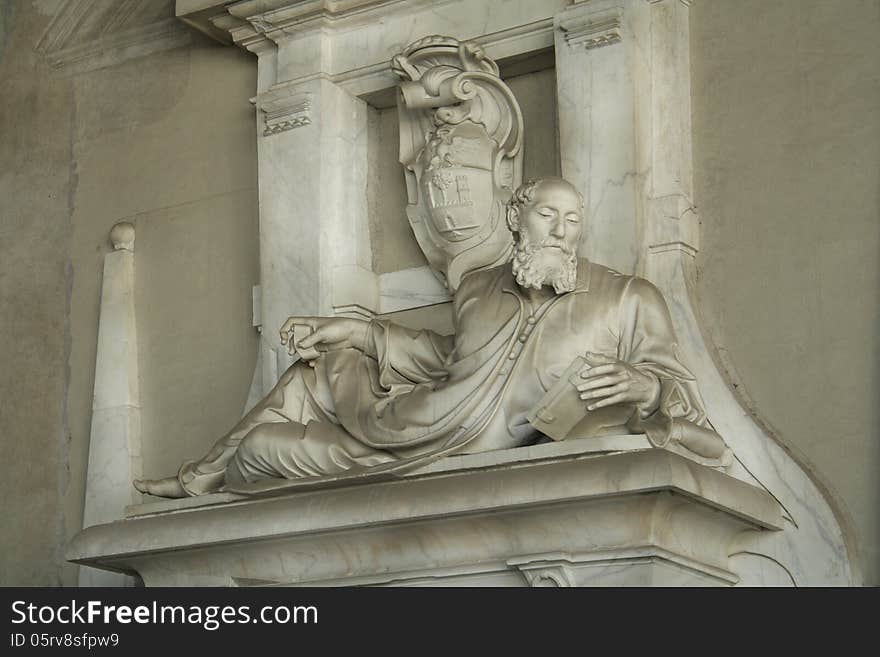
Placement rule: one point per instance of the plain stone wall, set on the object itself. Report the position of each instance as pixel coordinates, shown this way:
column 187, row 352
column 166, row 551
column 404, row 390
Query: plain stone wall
column 37, row 180
column 786, row 109
column 160, row 142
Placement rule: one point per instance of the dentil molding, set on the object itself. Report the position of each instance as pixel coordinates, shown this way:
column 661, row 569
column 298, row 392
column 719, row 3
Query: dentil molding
column 283, row 110
column 593, row 30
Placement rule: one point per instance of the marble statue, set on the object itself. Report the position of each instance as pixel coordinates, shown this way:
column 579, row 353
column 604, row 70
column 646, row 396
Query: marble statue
column 379, row 396
column 546, row 345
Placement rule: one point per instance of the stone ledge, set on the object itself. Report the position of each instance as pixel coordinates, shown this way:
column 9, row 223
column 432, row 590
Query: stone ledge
column 641, row 517
column 581, row 447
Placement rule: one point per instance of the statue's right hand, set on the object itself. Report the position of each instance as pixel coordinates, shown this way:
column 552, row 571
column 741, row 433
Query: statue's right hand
column 329, row 333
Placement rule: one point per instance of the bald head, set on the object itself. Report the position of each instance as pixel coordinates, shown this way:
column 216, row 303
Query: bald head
column 551, row 186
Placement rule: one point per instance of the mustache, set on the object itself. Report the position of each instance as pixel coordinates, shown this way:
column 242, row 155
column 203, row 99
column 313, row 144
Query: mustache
column 556, row 243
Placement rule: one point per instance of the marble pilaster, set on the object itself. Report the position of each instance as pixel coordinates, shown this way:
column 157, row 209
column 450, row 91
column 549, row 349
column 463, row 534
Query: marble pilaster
column 596, row 106
column 314, row 237
column 813, row 548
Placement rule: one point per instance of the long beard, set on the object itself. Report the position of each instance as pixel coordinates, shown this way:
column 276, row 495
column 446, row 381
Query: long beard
column 536, row 265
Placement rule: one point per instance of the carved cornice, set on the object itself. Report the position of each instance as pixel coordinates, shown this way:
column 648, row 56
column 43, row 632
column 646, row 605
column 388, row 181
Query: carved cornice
column 257, row 24
column 278, row 19
column 593, row 30
column 264, row 26
column 85, row 35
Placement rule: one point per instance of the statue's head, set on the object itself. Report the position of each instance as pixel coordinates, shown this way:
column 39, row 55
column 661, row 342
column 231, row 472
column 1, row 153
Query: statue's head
column 546, row 217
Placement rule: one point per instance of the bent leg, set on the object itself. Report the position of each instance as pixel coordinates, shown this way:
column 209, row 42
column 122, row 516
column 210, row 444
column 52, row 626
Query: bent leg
column 300, row 396
column 290, row 450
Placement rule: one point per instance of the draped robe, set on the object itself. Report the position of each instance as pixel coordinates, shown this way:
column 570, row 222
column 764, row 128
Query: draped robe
column 414, row 396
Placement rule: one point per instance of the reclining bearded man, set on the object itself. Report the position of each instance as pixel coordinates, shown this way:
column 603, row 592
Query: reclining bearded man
column 382, row 397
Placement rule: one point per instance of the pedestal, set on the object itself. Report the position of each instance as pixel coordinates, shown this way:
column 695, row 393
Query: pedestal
column 540, row 516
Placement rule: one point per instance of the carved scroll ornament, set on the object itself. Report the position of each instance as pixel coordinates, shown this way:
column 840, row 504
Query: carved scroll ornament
column 461, row 147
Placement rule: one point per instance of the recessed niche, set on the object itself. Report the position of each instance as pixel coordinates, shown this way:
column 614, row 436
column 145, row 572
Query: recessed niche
column 531, row 77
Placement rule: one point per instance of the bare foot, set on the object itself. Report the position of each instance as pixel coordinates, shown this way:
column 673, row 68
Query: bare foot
column 167, row 487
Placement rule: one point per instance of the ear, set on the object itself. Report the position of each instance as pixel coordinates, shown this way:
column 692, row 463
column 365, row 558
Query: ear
column 513, row 217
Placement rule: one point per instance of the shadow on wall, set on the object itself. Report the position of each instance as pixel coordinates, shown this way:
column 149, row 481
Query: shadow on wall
column 5, row 24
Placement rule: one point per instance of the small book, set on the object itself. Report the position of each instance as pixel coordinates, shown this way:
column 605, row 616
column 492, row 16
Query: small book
column 561, row 413
column 561, row 408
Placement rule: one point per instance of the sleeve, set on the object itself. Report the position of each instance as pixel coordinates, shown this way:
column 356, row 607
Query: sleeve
column 408, row 356
column 647, row 342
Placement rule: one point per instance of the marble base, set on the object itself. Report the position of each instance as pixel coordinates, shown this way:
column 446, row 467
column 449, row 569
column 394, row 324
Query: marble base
column 645, row 517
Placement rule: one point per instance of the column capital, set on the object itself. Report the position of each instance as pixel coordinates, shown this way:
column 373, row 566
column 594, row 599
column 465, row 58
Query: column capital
column 592, row 25
column 284, row 107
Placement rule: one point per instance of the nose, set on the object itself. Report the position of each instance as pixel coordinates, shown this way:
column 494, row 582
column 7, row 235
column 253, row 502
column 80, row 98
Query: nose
column 558, row 227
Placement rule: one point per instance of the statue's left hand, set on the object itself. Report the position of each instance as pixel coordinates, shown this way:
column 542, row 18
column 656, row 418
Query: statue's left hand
column 608, row 381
